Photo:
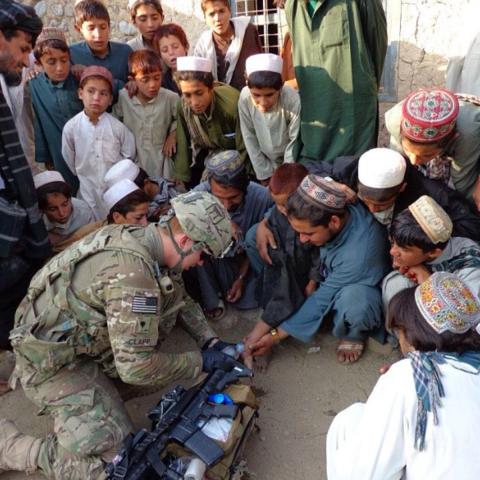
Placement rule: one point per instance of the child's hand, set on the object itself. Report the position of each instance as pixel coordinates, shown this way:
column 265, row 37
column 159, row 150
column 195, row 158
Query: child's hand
column 170, row 145
column 265, row 239
column 77, row 71
column 131, row 88
column 33, row 71
column 310, row 287
column 418, row 273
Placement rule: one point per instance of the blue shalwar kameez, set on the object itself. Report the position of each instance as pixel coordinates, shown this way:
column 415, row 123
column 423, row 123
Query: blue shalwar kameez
column 353, row 264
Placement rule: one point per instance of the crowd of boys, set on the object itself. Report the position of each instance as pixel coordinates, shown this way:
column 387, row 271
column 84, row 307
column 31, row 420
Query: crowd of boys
column 275, row 197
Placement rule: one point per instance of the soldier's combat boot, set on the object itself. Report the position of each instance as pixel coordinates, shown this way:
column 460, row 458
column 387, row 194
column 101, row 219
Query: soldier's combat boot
column 17, row 451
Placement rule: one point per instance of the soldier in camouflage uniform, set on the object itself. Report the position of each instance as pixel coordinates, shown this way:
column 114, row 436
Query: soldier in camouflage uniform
column 97, row 311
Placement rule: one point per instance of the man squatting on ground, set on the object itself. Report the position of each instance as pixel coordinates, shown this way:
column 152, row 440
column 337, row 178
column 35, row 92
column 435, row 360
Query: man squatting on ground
column 354, row 257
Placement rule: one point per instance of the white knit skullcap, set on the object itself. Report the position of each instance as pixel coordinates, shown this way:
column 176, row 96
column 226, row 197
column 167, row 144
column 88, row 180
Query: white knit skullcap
column 194, row 64
column 381, row 168
column 122, row 169
column 117, row 192
column 264, row 62
column 48, row 176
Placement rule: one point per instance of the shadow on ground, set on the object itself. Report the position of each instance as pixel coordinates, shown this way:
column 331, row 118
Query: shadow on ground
column 303, row 388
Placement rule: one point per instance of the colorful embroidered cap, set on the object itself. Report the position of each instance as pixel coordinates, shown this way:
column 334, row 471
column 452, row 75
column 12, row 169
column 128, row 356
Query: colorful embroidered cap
column 264, row 62
column 118, row 192
column 122, row 169
column 51, row 33
column 194, row 64
column 381, row 168
column 97, row 71
column 433, row 219
column 227, row 163
column 323, row 192
column 429, row 115
column 46, row 177
column 447, row 304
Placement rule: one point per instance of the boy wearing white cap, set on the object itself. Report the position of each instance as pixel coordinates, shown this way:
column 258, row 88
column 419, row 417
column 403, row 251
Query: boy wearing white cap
column 158, row 190
column 126, row 204
column 269, row 115
column 207, row 119
column 62, row 213
column 387, row 185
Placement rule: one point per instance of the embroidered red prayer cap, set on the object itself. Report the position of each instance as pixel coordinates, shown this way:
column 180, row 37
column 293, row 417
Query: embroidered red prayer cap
column 97, row 71
column 429, row 115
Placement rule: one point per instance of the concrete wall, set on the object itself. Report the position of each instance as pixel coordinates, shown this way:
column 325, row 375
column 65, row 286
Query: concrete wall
column 59, row 13
column 426, row 32
column 430, row 32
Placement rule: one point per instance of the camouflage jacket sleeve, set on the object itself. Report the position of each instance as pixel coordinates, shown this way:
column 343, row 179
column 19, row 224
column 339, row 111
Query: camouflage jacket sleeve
column 193, row 321
column 133, row 305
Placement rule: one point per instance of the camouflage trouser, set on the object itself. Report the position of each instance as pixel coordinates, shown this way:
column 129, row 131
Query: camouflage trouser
column 90, row 422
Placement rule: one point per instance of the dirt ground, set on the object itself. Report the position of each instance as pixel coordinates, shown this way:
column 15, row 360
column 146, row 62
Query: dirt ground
column 300, row 393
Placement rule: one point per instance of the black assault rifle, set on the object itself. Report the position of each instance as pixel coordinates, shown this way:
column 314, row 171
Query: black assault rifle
column 176, row 418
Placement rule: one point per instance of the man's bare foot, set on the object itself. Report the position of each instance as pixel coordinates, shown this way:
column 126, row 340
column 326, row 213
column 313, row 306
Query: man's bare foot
column 349, row 351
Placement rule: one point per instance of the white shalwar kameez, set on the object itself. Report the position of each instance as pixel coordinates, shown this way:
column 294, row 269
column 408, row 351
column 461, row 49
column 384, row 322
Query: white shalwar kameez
column 270, row 137
column 375, row 440
column 90, row 150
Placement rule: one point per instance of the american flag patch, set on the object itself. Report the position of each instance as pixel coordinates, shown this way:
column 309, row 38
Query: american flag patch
column 144, row 304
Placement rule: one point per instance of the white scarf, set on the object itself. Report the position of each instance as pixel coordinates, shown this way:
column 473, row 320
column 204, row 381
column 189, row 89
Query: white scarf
column 205, row 47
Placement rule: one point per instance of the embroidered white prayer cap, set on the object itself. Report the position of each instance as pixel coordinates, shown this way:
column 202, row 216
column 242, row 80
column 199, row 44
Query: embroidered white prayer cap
column 381, row 168
column 118, row 192
column 194, row 64
column 122, row 169
column 48, row 176
column 264, row 62
column 432, row 218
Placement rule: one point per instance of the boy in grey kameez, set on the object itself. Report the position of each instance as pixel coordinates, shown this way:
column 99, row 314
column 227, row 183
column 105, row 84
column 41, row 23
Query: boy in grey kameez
column 269, row 115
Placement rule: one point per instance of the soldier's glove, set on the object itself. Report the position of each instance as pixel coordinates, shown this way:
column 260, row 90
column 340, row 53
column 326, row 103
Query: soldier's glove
column 215, row 360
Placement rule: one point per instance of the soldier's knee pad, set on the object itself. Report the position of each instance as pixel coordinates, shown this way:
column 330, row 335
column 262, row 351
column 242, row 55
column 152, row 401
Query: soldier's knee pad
column 93, row 424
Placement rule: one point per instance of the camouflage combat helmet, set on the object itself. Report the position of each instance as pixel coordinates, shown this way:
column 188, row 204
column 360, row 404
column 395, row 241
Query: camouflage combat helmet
column 205, row 220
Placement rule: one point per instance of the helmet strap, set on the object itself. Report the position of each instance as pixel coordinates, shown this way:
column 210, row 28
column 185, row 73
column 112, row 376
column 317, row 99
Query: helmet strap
column 182, row 253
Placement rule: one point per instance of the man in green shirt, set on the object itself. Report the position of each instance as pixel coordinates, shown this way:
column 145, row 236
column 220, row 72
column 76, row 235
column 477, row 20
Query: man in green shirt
column 339, row 49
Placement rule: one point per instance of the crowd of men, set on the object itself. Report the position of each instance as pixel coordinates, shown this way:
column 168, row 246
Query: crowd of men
column 133, row 173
